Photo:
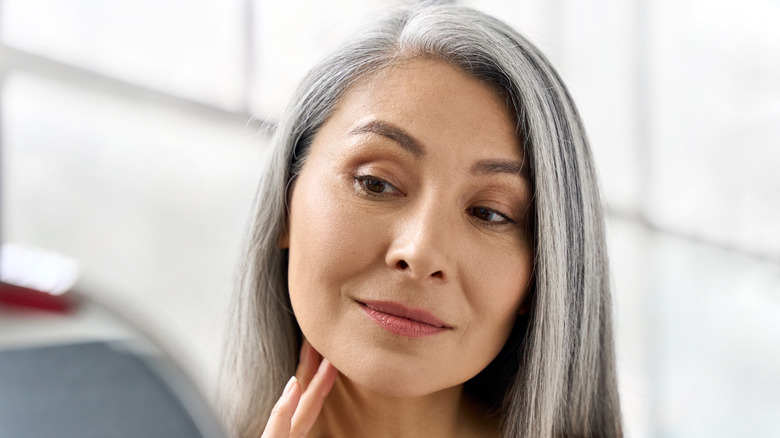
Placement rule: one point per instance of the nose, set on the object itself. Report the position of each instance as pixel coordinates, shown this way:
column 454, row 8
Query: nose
column 420, row 245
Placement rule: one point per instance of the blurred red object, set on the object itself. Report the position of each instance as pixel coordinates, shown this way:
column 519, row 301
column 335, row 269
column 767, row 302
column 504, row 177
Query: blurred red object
column 13, row 295
column 36, row 278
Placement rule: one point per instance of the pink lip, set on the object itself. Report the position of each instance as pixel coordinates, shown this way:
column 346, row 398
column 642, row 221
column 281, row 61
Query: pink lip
column 403, row 320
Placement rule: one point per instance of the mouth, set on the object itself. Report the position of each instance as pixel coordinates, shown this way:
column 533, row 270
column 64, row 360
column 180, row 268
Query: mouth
column 402, row 320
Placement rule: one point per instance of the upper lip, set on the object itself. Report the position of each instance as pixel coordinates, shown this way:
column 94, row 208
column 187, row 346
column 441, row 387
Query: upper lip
column 400, row 310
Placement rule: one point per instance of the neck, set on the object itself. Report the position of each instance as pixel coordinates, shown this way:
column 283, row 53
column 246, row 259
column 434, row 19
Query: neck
column 353, row 411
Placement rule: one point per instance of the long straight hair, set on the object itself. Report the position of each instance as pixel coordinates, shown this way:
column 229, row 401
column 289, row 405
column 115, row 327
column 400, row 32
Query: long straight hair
column 555, row 377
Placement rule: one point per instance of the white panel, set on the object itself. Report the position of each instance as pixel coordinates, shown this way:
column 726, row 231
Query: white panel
column 715, row 123
column 187, row 48
column 697, row 335
column 291, row 37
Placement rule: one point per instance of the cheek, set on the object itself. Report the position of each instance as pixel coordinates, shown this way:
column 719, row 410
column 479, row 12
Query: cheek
column 316, row 238
column 329, row 245
column 499, row 284
column 509, row 286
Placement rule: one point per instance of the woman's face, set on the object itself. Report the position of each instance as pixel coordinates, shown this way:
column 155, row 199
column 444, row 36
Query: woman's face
column 409, row 257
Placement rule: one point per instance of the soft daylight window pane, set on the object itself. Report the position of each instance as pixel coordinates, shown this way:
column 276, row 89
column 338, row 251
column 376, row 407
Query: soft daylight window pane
column 290, row 37
column 716, row 122
column 192, row 49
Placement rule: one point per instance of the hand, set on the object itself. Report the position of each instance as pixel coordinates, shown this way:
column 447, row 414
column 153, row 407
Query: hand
column 299, row 406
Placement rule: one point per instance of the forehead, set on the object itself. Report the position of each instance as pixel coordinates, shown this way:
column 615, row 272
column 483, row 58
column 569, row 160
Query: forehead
column 436, row 103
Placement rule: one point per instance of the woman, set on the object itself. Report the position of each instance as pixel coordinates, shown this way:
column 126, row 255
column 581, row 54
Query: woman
column 427, row 256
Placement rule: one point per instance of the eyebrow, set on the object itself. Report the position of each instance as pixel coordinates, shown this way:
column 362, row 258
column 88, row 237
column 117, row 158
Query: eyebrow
column 494, row 167
column 406, row 141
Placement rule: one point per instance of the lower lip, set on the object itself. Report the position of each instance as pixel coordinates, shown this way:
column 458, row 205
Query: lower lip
column 402, row 326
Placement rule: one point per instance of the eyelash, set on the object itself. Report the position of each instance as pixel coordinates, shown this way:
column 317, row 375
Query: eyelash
column 505, row 220
column 363, row 181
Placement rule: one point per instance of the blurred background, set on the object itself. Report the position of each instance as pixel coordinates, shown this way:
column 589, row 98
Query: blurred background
column 131, row 141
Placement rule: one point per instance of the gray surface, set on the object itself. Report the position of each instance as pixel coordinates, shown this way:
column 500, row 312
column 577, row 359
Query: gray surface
column 87, row 390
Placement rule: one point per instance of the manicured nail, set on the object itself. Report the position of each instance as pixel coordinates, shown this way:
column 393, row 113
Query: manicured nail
column 323, row 365
column 289, row 385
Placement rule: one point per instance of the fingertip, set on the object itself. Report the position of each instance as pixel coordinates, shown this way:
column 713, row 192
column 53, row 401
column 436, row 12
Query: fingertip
column 292, row 393
column 290, row 385
column 296, row 391
column 280, row 421
column 327, row 368
column 329, row 375
column 324, row 364
column 305, row 347
column 312, row 400
column 307, row 365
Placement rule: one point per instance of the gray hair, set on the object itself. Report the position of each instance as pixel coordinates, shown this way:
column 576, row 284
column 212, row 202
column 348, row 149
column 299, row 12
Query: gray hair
column 556, row 374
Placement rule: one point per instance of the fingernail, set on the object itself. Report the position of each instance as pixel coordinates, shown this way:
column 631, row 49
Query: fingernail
column 289, row 385
column 324, row 364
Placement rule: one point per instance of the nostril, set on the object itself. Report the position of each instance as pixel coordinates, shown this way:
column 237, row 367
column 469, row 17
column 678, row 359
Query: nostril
column 438, row 274
column 402, row 264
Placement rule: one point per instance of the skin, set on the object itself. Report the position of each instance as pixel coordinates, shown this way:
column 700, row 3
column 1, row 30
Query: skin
column 413, row 193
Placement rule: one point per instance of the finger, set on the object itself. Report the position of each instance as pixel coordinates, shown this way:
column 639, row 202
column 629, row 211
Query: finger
column 307, row 364
column 280, row 422
column 311, row 400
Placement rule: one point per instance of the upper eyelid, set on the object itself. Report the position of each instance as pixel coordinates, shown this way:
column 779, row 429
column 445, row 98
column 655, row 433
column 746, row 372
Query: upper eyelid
column 363, row 177
column 360, row 176
column 385, row 173
column 506, row 217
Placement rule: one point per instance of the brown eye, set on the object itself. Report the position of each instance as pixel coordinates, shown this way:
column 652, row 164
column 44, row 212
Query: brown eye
column 488, row 215
column 375, row 186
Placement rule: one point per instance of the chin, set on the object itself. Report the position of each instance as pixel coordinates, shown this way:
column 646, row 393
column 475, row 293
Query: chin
column 396, row 379
column 395, row 386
